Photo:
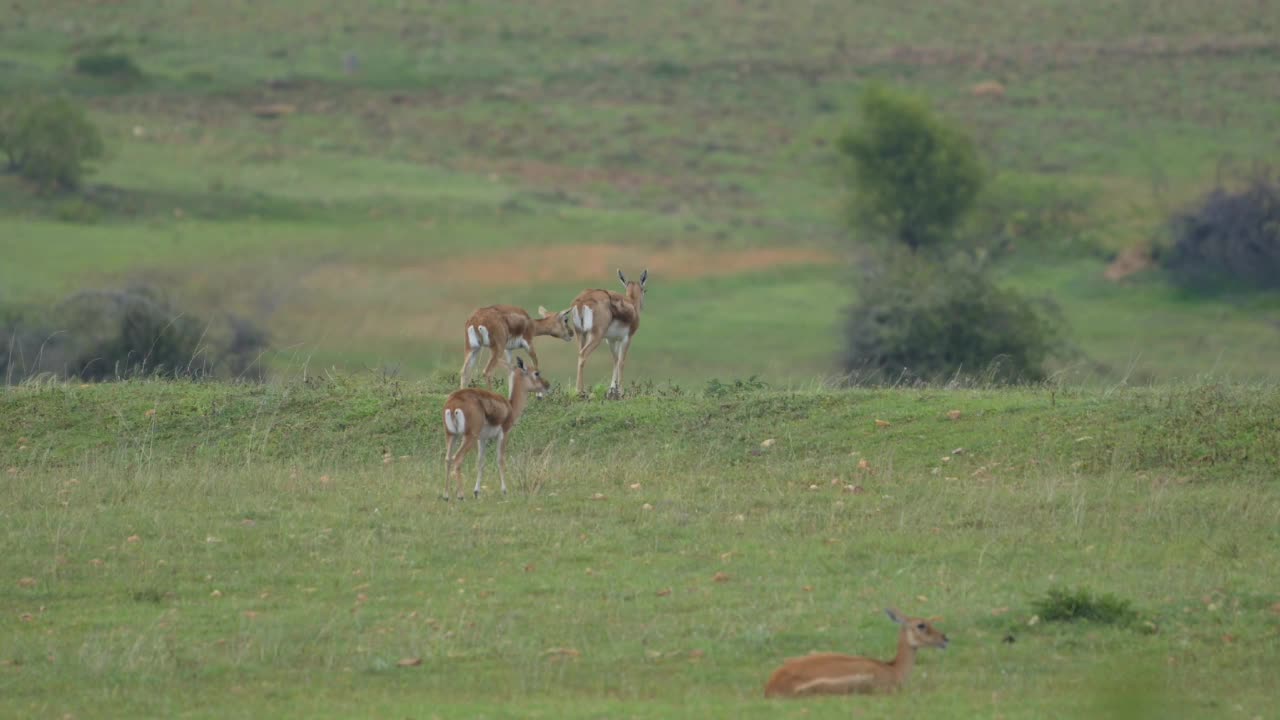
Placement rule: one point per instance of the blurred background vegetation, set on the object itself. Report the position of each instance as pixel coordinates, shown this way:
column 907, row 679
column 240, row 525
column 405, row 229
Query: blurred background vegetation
column 1077, row 191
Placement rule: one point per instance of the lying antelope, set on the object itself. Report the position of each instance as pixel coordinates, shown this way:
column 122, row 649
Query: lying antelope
column 505, row 328
column 477, row 416
column 606, row 315
column 836, row 674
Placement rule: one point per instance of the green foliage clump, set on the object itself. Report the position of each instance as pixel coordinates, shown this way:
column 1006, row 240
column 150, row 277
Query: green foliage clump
column 112, row 335
column 1230, row 238
column 118, row 67
column 49, row 140
column 931, row 321
column 717, row 389
column 1064, row 605
column 913, row 174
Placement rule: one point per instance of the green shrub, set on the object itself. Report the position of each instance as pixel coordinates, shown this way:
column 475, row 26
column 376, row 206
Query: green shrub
column 932, row 321
column 1230, row 238
column 49, row 141
column 913, row 175
column 1063, row 605
column 111, row 66
column 110, row 335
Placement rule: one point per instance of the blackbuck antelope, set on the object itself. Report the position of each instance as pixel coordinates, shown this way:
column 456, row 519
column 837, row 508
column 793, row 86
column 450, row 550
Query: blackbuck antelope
column 503, row 328
column 836, row 674
column 606, row 315
column 477, row 416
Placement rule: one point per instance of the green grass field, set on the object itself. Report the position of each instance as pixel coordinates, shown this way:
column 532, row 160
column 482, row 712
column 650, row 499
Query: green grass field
column 180, row 550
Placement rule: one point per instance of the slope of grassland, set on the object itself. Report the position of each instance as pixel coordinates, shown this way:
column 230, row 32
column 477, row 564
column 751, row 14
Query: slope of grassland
column 208, row 550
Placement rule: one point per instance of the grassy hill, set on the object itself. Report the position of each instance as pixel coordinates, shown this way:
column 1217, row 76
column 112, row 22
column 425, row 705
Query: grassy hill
column 423, row 161
column 207, row 550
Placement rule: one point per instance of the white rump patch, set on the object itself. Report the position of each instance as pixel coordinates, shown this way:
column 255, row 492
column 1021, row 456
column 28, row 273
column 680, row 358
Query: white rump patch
column 484, row 335
column 456, row 422
column 581, row 315
column 473, row 339
column 858, row 680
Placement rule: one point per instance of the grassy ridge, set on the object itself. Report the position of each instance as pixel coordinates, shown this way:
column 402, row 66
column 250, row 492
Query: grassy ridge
column 1193, row 431
column 249, row 551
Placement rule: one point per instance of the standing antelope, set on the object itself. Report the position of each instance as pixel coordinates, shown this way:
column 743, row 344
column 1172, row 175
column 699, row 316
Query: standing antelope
column 836, row 674
column 606, row 315
column 478, row 416
column 503, row 328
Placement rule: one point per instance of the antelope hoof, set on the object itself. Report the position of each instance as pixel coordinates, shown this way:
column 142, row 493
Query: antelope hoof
column 615, row 393
column 477, row 494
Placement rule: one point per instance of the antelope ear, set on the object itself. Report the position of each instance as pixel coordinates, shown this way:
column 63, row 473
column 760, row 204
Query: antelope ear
column 894, row 615
column 622, row 277
column 543, row 311
column 644, row 276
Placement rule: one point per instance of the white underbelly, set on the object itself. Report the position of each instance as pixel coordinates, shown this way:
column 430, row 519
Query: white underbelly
column 489, row 432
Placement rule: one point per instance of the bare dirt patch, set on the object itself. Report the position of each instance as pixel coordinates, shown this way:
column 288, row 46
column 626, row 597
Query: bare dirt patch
column 427, row 300
column 599, row 264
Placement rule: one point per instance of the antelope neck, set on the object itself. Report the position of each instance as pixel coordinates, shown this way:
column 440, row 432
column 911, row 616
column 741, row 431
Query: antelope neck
column 906, row 657
column 517, row 396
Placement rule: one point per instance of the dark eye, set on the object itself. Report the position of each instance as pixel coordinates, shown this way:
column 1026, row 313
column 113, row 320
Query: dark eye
column 920, row 626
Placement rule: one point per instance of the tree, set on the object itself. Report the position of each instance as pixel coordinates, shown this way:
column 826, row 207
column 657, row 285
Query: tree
column 49, row 141
column 913, row 175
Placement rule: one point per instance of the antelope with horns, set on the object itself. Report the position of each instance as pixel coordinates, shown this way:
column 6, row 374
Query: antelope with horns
column 474, row 417
column 503, row 328
column 605, row 315
column 836, row 674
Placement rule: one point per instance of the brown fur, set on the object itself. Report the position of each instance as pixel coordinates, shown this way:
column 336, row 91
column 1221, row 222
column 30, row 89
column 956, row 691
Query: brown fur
column 838, row 674
column 606, row 308
column 485, row 410
column 505, row 322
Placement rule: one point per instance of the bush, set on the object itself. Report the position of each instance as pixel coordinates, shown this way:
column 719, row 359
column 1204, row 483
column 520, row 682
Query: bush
column 111, row 66
column 49, row 141
column 913, row 175
column 932, row 321
column 1229, row 238
column 1063, row 605
column 109, row 335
